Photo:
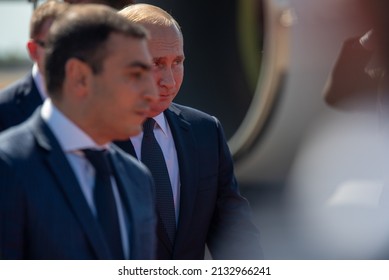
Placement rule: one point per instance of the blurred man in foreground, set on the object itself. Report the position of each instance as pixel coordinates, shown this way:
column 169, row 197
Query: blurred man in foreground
column 65, row 192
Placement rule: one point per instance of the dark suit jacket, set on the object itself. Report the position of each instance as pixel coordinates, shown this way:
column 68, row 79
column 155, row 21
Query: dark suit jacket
column 18, row 102
column 43, row 212
column 212, row 211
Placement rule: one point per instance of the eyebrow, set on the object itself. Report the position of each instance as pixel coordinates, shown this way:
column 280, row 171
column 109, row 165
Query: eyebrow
column 139, row 64
column 182, row 57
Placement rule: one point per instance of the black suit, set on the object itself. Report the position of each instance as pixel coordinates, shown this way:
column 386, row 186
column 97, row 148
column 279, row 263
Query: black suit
column 212, row 211
column 18, row 102
column 43, row 212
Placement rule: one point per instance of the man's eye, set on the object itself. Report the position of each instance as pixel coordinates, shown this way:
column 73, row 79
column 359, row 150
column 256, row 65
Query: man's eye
column 136, row 75
column 157, row 64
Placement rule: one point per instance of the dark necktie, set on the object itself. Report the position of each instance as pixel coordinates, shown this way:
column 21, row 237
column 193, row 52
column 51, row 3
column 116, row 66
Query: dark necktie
column 105, row 201
column 152, row 157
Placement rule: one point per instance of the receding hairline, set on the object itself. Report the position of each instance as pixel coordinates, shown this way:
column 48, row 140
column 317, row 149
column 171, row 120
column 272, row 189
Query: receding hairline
column 149, row 14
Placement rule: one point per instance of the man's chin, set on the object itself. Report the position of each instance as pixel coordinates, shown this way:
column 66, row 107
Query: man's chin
column 155, row 112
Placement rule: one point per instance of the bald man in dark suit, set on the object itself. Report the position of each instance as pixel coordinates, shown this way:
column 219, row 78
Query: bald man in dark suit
column 206, row 206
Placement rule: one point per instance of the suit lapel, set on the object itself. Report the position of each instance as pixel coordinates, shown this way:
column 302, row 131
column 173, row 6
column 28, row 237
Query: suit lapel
column 69, row 185
column 29, row 98
column 188, row 164
column 128, row 199
column 130, row 193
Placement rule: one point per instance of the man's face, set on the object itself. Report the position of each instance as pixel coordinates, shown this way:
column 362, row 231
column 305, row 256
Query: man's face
column 167, row 50
column 121, row 94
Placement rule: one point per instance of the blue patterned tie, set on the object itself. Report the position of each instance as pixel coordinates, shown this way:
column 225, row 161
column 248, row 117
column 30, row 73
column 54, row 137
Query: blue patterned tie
column 153, row 158
column 105, row 201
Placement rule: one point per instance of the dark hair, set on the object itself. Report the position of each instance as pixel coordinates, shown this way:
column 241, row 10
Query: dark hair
column 118, row 4
column 49, row 10
column 82, row 33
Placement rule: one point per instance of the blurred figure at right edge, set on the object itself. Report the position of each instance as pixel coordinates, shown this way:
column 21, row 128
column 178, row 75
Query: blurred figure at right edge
column 338, row 189
column 359, row 70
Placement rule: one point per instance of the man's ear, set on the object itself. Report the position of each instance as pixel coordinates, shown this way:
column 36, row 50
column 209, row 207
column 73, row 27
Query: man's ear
column 32, row 48
column 78, row 74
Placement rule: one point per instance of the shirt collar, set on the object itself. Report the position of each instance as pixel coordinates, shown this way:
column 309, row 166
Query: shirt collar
column 69, row 135
column 162, row 122
column 39, row 81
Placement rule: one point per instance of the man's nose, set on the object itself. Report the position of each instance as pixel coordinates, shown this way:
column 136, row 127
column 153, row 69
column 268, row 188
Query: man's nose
column 167, row 79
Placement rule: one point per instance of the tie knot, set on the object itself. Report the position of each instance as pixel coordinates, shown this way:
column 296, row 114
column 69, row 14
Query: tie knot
column 99, row 159
column 148, row 126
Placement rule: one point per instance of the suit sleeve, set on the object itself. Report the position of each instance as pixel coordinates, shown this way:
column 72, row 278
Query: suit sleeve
column 233, row 234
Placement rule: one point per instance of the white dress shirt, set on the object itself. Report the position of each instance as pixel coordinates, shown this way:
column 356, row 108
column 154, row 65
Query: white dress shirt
column 165, row 139
column 72, row 139
column 39, row 81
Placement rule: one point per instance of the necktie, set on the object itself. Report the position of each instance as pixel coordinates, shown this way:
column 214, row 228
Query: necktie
column 153, row 158
column 105, row 201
